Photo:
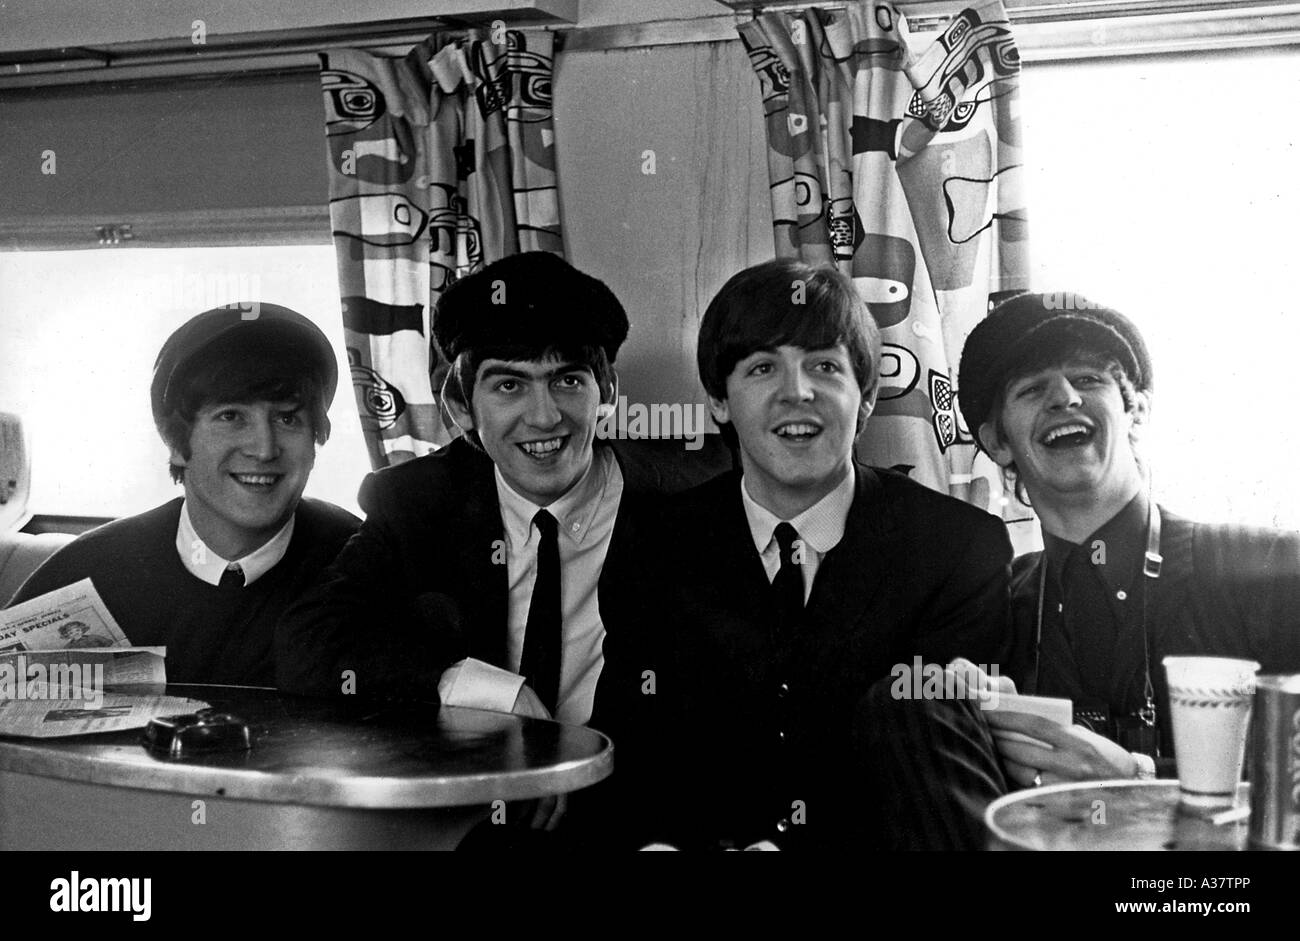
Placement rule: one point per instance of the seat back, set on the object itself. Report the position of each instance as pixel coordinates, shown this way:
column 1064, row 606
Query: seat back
column 15, row 474
column 21, row 554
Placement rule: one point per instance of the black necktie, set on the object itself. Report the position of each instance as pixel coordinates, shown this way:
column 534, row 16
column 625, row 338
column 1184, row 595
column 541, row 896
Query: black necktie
column 232, row 577
column 787, row 587
column 540, row 663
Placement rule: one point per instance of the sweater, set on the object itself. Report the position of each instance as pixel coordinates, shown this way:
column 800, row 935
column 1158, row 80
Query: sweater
column 212, row 634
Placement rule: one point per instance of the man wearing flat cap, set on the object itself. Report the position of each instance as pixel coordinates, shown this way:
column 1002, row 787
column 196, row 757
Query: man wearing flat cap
column 482, row 572
column 1058, row 389
column 239, row 396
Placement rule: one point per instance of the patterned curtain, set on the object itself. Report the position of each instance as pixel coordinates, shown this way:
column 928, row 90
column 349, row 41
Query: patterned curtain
column 440, row 162
column 905, row 172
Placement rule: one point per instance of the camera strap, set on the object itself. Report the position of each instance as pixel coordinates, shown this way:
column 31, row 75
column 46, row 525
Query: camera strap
column 1152, row 563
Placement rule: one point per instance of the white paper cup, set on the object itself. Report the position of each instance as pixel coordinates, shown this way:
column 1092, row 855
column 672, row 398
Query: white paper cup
column 1209, row 703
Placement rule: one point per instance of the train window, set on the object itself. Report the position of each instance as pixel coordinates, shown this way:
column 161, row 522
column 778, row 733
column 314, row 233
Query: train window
column 80, row 333
column 1165, row 187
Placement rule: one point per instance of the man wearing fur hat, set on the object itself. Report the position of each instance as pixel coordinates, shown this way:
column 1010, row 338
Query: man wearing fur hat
column 239, row 395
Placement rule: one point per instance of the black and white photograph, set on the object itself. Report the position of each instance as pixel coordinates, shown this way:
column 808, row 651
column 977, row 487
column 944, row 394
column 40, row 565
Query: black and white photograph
column 549, row 430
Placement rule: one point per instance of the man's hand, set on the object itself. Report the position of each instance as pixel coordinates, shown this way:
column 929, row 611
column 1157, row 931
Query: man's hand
column 527, row 704
column 1072, row 753
column 968, row 675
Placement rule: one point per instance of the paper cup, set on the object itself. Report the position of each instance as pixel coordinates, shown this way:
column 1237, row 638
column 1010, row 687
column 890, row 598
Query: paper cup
column 1209, row 704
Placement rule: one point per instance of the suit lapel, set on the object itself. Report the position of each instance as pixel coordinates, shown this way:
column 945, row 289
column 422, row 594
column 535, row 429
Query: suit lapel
column 734, row 565
column 480, row 550
column 851, row 574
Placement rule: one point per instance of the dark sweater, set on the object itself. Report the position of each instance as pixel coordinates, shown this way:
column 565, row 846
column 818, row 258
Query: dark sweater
column 212, row 635
column 1223, row 591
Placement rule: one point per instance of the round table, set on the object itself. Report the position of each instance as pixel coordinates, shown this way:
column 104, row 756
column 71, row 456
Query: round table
column 321, row 774
column 1108, row 815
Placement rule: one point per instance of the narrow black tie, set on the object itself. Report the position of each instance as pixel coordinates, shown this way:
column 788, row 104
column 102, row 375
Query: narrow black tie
column 232, row 577
column 787, row 587
column 540, row 663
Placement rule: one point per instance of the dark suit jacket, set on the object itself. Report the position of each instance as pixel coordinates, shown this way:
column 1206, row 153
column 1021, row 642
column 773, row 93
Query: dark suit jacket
column 1223, row 591
column 424, row 582
column 746, row 731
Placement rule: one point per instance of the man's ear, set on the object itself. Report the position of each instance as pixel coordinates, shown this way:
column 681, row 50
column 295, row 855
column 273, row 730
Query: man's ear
column 718, row 408
column 869, row 401
column 462, row 416
column 608, row 397
column 996, row 447
column 1141, row 410
column 177, row 458
column 868, row 406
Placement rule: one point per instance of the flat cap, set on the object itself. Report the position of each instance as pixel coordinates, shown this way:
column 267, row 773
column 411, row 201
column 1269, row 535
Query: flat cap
column 257, row 323
column 533, row 301
column 1030, row 327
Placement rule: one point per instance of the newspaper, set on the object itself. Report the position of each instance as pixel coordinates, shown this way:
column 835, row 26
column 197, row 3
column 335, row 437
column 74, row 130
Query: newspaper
column 70, row 618
column 51, row 718
column 82, row 674
column 61, row 654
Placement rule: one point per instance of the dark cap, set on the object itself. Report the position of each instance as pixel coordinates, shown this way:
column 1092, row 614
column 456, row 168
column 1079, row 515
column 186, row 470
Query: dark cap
column 532, row 301
column 1034, row 326
column 267, row 326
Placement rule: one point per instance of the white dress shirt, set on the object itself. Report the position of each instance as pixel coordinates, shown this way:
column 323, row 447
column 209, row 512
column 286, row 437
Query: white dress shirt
column 207, row 566
column 820, row 528
column 585, row 517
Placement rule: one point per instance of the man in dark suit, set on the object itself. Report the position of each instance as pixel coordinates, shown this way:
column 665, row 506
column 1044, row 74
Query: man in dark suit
column 775, row 596
column 478, row 575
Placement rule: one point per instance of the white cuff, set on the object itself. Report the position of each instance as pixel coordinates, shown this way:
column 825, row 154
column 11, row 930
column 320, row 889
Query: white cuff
column 1146, row 766
column 477, row 685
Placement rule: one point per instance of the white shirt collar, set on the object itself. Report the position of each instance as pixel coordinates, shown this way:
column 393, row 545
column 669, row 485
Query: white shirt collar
column 573, row 512
column 821, row 526
column 207, row 566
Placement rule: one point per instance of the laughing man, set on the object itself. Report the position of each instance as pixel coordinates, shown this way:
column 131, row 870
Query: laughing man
column 1059, row 399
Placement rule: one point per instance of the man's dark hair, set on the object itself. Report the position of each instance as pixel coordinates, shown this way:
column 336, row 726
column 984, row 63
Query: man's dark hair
column 527, row 306
column 240, row 372
column 786, row 302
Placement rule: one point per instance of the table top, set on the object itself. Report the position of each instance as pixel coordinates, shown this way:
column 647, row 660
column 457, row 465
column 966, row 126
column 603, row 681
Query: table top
column 339, row 753
column 1108, row 815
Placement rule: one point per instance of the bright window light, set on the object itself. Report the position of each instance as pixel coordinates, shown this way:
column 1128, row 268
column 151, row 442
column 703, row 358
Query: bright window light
column 1166, row 188
column 80, row 331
